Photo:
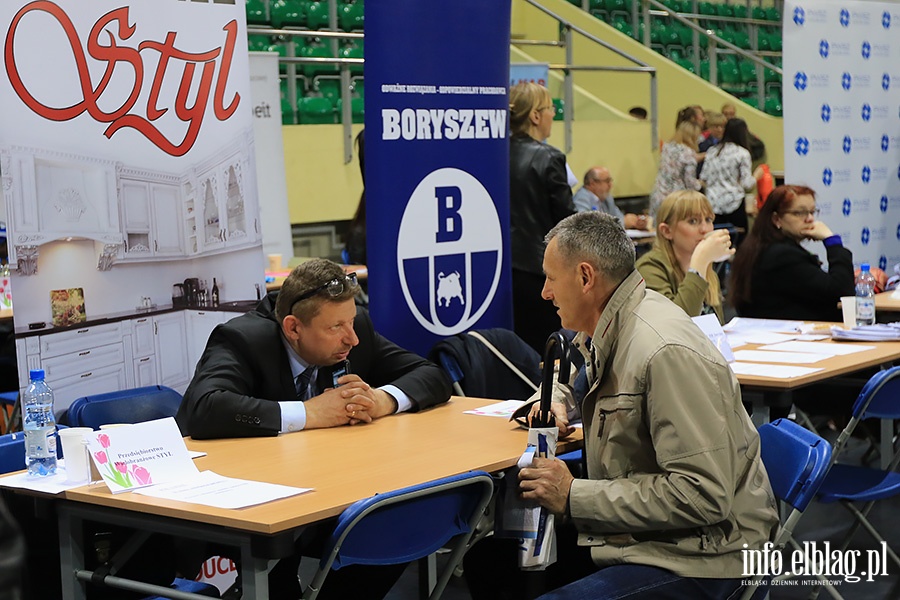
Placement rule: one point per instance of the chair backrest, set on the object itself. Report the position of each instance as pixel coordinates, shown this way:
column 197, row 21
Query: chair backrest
column 12, row 452
column 125, row 406
column 880, row 397
column 796, row 460
column 408, row 524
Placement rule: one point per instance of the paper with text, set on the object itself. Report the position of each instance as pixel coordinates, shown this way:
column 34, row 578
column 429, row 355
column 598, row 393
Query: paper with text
column 212, row 489
column 777, row 357
column 824, row 348
column 503, row 409
column 774, row 371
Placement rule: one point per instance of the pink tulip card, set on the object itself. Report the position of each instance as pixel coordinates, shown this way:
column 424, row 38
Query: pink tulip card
column 136, row 456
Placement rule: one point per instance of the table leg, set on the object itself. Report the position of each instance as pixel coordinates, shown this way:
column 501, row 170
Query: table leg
column 887, row 443
column 71, row 553
column 254, row 574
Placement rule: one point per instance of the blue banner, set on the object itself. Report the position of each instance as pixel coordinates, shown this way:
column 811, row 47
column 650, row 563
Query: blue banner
column 437, row 168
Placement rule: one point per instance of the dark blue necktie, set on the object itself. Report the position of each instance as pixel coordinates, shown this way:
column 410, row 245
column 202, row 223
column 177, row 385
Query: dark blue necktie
column 303, row 383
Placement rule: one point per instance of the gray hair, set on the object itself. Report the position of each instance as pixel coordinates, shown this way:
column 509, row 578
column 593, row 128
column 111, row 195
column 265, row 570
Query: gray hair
column 598, row 239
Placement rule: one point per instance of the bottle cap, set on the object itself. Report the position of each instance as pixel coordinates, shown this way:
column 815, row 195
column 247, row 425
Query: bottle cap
column 36, row 374
column 864, row 267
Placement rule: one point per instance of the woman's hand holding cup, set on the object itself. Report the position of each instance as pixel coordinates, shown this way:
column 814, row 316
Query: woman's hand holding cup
column 715, row 247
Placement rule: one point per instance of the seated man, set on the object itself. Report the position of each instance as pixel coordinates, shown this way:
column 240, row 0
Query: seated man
column 596, row 194
column 277, row 368
column 675, row 488
column 305, row 358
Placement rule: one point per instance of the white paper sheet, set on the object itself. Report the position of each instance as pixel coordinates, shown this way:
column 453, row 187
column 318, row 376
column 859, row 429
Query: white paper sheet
column 54, row 484
column 709, row 324
column 774, row 371
column 822, row 348
column 744, row 324
column 212, row 489
column 778, row 357
column 503, row 409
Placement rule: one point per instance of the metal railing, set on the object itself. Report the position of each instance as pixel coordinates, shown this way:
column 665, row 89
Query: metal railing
column 568, row 28
column 714, row 41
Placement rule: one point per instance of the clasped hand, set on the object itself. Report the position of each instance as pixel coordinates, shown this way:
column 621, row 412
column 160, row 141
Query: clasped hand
column 354, row 401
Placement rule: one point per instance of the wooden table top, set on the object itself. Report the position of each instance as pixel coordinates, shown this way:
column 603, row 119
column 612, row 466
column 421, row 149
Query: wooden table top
column 887, row 302
column 343, row 464
column 883, row 352
column 279, row 276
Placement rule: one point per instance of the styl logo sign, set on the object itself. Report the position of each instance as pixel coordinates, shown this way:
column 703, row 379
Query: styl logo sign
column 110, row 52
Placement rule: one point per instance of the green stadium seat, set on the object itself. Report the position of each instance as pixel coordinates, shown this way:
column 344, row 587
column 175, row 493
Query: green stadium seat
column 256, row 12
column 775, row 40
column 357, row 110
column 258, row 43
column 315, row 110
column 351, row 16
column 742, row 40
column 730, row 77
column 772, row 14
column 706, row 8
column 763, row 40
column 287, row 113
column 750, row 101
column 623, row 26
column 311, row 70
column 352, row 52
column 686, row 63
column 358, row 87
column 317, row 15
column 287, row 13
column 618, row 7
column 329, row 88
column 685, row 34
column 724, row 10
column 773, row 105
column 704, row 69
column 740, row 11
column 559, row 112
column 748, row 71
column 759, row 12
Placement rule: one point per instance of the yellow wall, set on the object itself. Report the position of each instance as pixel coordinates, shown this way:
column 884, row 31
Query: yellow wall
column 322, row 188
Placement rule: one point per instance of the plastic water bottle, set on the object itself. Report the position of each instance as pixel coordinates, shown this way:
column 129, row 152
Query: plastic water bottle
column 40, row 426
column 865, row 296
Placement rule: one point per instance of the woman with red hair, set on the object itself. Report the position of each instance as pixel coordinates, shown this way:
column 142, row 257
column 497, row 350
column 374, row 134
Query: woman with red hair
column 774, row 277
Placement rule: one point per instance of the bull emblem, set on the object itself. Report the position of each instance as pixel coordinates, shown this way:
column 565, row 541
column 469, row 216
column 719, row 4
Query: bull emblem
column 449, row 287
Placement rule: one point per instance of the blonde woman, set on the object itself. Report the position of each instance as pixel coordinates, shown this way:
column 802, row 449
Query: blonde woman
column 677, row 165
column 680, row 265
column 539, row 198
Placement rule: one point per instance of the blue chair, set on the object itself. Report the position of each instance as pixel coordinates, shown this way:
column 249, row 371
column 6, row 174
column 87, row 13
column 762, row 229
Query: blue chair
column 12, row 452
column 10, row 418
column 845, row 483
column 406, row 525
column 796, row 460
column 125, row 406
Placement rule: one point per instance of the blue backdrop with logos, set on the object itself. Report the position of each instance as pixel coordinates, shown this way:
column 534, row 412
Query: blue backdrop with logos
column 437, row 168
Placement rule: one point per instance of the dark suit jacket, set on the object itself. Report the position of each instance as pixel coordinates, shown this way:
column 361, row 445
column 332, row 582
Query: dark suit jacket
column 244, row 372
column 789, row 283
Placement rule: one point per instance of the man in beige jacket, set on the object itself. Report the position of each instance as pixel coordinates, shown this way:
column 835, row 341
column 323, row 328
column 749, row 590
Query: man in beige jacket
column 675, row 488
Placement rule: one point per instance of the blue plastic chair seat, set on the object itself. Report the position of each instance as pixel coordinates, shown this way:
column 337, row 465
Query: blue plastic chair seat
column 125, row 406
column 858, row 484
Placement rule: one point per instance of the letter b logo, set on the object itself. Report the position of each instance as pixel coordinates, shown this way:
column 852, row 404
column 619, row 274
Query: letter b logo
column 449, row 201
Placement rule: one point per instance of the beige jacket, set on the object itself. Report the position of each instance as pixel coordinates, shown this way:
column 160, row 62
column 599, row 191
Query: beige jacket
column 674, row 473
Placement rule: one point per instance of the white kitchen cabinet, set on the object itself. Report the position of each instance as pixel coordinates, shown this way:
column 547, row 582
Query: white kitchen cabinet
column 200, row 325
column 172, row 350
column 52, row 195
column 109, row 378
column 143, row 341
column 151, row 214
column 145, row 371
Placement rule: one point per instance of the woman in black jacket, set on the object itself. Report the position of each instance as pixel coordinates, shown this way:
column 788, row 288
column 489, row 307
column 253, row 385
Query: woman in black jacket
column 774, row 277
column 539, row 197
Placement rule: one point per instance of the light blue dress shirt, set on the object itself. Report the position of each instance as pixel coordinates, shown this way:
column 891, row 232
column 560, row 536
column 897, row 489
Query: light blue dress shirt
column 293, row 412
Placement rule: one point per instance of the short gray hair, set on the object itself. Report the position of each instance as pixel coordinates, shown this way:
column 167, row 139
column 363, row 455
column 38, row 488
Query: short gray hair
column 598, row 239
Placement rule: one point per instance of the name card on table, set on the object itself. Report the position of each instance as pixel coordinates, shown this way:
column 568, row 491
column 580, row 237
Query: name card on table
column 139, row 455
column 713, row 330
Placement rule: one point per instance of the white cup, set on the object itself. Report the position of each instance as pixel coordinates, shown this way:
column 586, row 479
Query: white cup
column 274, row 262
column 848, row 307
column 75, row 451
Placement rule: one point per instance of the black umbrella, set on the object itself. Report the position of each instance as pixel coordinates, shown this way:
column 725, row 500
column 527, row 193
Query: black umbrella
column 557, row 348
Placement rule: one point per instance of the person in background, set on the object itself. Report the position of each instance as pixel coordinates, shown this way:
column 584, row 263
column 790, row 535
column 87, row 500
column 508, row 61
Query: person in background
column 596, row 194
column 283, row 368
column 675, row 490
column 539, row 198
column 727, row 174
column 774, row 277
column 729, row 111
column 680, row 265
column 677, row 165
column 716, row 129
column 356, row 235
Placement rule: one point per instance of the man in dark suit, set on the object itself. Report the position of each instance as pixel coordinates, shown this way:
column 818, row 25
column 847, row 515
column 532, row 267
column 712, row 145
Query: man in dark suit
column 307, row 358
column 274, row 369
